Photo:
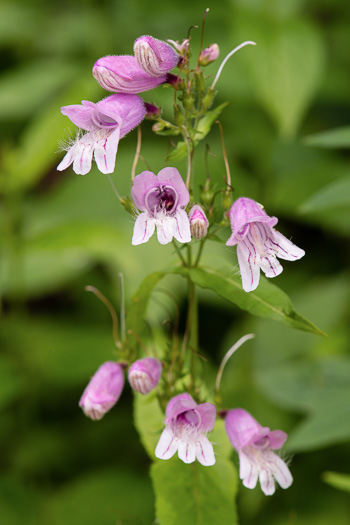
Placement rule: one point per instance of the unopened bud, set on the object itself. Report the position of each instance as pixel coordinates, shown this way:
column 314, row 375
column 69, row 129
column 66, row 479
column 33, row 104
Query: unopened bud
column 209, row 54
column 144, row 374
column 198, row 222
column 154, row 56
column 152, row 111
column 103, row 391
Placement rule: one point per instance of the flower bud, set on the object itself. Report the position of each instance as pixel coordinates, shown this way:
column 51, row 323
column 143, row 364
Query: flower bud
column 103, row 391
column 154, row 56
column 144, row 374
column 198, row 222
column 209, row 54
column 152, row 111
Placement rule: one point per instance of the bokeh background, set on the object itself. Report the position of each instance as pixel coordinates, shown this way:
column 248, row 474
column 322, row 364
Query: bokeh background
column 61, row 232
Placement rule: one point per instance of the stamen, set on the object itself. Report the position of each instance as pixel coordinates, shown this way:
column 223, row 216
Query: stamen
column 248, row 42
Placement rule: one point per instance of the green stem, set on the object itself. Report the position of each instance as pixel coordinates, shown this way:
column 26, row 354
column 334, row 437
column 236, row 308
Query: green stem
column 199, row 253
column 193, row 329
column 184, row 263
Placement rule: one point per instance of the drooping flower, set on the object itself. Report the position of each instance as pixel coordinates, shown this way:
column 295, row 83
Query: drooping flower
column 106, row 123
column 209, row 54
column 144, row 374
column 154, row 56
column 198, row 222
column 103, row 390
column 122, row 74
column 258, row 243
column 254, row 445
column 161, row 198
column 186, row 424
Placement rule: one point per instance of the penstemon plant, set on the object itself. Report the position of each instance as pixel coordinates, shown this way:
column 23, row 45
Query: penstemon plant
column 182, row 414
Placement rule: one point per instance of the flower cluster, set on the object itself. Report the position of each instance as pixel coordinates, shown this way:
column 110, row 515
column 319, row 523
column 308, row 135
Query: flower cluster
column 165, row 204
column 107, row 121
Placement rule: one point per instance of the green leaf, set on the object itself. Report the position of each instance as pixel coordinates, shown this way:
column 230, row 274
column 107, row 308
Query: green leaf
column 137, row 309
column 266, row 301
column 193, row 494
column 149, row 420
column 336, row 480
column 334, row 195
column 333, row 138
column 285, row 67
column 203, row 128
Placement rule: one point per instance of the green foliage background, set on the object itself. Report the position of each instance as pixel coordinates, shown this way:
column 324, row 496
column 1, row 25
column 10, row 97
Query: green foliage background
column 60, row 232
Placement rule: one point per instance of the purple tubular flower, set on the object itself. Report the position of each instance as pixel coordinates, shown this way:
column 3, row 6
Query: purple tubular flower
column 144, row 374
column 106, row 123
column 185, row 426
column 258, row 243
column 254, row 445
column 161, row 198
column 198, row 222
column 103, row 390
column 154, row 56
column 121, row 74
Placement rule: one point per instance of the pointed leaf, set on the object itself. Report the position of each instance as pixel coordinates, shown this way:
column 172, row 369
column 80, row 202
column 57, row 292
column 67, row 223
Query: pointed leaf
column 193, row 494
column 332, row 138
column 266, row 301
column 338, row 481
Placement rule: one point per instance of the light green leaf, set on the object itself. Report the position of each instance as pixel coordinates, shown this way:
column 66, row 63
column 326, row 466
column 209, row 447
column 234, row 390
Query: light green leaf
column 334, row 195
column 266, row 301
column 137, row 308
column 285, row 68
column 333, row 138
column 336, row 480
column 203, row 128
column 149, row 420
column 193, row 494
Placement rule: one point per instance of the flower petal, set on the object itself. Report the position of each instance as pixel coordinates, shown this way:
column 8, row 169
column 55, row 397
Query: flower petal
column 207, row 413
column 270, row 266
column 182, row 232
column 187, row 451
column 279, row 469
column 267, row 482
column 248, row 470
column 83, row 151
column 106, row 150
column 204, row 451
column 178, row 405
column 171, row 177
column 248, row 265
column 284, row 248
column 143, row 229
column 166, row 227
column 167, row 445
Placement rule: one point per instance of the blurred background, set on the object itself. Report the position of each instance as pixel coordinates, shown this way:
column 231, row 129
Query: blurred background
column 61, row 232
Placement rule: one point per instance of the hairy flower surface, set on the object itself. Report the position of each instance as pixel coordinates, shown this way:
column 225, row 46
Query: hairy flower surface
column 103, row 390
column 254, row 445
column 144, row 374
column 122, row 74
column 106, row 123
column 258, row 243
column 186, row 424
column 161, row 198
column 154, row 56
column 198, row 222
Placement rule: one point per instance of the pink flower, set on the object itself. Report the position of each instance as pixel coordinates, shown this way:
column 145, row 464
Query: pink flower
column 144, row 374
column 258, row 243
column 161, row 199
column 186, row 424
column 103, row 390
column 209, row 54
column 154, row 56
column 198, row 222
column 122, row 74
column 106, row 123
column 254, row 445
